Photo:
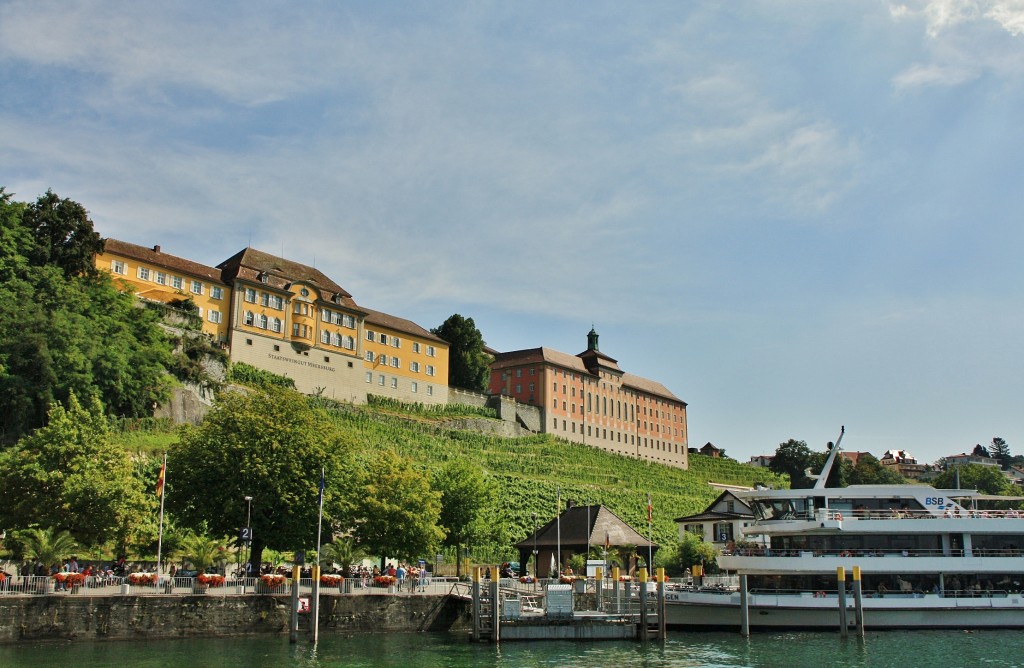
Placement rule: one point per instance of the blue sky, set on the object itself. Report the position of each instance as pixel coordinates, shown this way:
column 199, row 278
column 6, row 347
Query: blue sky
column 795, row 215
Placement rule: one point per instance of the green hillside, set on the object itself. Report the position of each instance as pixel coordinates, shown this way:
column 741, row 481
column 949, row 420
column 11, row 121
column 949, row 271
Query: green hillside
column 528, row 470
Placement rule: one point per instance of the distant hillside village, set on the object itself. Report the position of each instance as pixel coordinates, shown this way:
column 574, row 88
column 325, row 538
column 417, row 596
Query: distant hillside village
column 291, row 319
column 903, row 463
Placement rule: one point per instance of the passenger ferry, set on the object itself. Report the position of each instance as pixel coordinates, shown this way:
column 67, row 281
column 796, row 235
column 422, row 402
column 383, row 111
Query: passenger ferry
column 928, row 558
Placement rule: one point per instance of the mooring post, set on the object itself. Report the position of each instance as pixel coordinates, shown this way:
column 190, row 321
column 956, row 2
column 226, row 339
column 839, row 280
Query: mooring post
column 662, row 622
column 744, row 607
column 858, row 601
column 598, row 587
column 495, row 604
column 293, row 626
column 844, row 630
column 476, row 603
column 615, row 590
column 314, row 602
column 643, row 604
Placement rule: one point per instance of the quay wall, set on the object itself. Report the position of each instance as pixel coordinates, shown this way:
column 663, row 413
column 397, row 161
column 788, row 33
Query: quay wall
column 57, row 617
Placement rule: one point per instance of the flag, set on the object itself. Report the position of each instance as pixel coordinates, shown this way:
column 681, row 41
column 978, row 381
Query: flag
column 321, row 497
column 607, row 541
column 650, row 510
column 160, row 479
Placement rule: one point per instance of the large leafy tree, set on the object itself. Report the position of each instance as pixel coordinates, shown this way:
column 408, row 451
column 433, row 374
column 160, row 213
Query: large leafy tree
column 985, row 479
column 869, row 471
column 396, row 511
column 65, row 330
column 64, row 235
column 270, row 445
column 467, row 496
column 792, row 458
column 468, row 364
column 68, row 475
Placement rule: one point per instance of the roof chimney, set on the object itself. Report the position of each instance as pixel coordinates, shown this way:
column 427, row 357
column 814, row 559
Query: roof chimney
column 156, row 249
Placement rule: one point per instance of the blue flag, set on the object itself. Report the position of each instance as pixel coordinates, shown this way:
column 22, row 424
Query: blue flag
column 321, row 501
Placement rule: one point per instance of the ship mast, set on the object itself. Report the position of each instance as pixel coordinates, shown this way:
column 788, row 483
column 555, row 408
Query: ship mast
column 821, row 478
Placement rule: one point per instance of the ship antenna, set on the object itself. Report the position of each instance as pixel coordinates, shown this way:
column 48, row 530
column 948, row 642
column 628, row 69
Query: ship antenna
column 821, row 478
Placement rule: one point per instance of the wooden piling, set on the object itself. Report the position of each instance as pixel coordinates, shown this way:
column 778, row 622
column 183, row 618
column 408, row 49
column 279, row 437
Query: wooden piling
column 844, row 630
column 476, row 603
column 293, row 620
column 744, row 607
column 643, row 604
column 858, row 601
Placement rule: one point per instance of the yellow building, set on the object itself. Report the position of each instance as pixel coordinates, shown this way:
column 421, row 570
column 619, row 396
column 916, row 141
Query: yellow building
column 155, row 276
column 291, row 319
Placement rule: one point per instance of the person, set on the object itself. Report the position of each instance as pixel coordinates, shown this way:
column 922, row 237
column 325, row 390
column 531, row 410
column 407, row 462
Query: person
column 423, row 578
column 400, row 575
column 882, row 589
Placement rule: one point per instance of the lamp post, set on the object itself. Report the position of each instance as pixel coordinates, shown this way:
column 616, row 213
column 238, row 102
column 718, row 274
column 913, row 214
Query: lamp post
column 248, row 531
column 536, row 560
column 535, row 569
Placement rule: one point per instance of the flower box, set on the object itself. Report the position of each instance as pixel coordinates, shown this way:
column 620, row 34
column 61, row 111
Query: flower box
column 142, row 578
column 210, row 580
column 271, row 583
column 331, row 580
column 384, row 581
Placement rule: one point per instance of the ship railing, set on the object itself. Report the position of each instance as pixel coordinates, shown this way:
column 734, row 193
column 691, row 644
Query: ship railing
column 858, row 552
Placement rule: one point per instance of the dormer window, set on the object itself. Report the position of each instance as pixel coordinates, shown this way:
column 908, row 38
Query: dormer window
column 263, row 277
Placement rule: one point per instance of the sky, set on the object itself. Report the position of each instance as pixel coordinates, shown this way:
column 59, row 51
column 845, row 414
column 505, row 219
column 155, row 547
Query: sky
column 795, row 215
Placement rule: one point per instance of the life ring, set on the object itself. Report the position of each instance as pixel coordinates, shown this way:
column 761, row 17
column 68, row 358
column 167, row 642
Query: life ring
column 839, row 517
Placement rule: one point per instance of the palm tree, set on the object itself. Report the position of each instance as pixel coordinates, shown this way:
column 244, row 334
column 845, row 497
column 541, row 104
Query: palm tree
column 342, row 551
column 48, row 546
column 201, row 551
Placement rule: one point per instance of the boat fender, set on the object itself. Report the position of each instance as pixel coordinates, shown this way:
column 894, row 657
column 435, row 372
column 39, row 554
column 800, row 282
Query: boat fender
column 839, row 517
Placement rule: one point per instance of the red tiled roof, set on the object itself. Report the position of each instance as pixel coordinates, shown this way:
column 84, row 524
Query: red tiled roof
column 400, row 325
column 157, row 257
column 249, row 264
column 574, row 363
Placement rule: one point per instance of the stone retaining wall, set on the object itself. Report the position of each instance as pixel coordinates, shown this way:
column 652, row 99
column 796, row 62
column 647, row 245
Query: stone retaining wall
column 63, row 617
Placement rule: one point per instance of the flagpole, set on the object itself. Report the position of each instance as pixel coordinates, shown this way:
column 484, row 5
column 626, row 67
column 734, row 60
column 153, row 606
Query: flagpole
column 316, row 567
column 558, row 528
column 160, row 483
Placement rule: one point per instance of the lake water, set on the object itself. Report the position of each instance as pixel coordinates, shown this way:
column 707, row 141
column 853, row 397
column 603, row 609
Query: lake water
column 931, row 649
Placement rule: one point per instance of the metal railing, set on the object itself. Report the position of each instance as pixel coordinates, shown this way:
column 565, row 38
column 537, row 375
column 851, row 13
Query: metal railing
column 165, row 585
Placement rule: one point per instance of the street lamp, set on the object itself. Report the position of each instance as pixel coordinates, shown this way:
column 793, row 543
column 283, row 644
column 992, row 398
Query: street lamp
column 248, row 535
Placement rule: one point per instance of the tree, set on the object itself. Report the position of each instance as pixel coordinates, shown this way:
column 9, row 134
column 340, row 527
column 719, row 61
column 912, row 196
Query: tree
column 693, row 550
column 985, row 479
column 397, row 513
column 48, row 546
column 792, row 458
column 343, row 550
column 269, row 445
column 466, row 496
column 468, row 364
column 201, row 551
column 980, row 451
column 1000, row 450
column 869, row 471
column 68, row 475
column 65, row 330
column 64, row 235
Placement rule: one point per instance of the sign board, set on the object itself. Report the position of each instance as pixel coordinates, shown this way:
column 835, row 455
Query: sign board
column 303, row 605
column 245, row 534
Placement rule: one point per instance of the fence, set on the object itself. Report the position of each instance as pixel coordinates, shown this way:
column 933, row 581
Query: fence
column 149, row 585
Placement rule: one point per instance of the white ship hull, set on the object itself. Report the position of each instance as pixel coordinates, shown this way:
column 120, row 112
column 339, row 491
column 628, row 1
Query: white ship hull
column 722, row 610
